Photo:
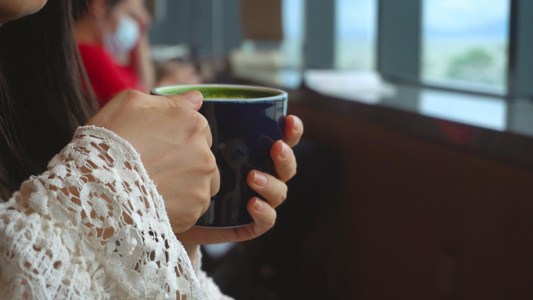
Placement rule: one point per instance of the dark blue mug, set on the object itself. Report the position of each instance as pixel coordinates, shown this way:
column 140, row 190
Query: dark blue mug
column 245, row 122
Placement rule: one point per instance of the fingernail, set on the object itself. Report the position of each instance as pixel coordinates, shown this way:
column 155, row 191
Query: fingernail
column 285, row 151
column 258, row 205
column 194, row 97
column 260, row 179
column 297, row 123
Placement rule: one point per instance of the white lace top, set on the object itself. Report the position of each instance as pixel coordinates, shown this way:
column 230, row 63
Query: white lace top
column 53, row 231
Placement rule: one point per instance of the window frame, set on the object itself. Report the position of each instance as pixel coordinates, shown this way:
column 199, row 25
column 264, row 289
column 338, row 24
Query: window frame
column 520, row 67
column 319, row 34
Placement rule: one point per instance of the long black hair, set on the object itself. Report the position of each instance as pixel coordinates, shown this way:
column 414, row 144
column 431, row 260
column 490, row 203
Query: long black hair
column 44, row 92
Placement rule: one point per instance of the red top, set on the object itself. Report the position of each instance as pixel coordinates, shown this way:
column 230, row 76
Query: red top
column 107, row 76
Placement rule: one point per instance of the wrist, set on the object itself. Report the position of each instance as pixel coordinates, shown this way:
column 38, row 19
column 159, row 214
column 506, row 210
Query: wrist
column 193, row 250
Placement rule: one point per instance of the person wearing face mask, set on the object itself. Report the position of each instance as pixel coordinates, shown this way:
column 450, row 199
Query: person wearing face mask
column 112, row 37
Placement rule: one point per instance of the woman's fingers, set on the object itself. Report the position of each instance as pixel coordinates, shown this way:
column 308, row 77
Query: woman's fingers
column 127, row 101
column 268, row 186
column 192, row 99
column 263, row 214
column 272, row 189
column 173, row 140
column 284, row 160
column 294, row 130
column 264, row 218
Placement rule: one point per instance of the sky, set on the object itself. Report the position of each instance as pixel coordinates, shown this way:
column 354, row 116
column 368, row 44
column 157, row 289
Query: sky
column 466, row 18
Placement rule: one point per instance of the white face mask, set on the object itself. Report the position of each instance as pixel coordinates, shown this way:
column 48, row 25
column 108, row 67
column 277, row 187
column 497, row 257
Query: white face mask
column 125, row 38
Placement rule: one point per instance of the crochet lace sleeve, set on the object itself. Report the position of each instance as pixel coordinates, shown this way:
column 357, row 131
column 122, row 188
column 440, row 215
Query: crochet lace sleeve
column 93, row 226
column 211, row 289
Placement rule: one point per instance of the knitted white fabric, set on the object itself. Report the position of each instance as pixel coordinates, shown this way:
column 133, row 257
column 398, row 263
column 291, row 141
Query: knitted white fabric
column 94, row 227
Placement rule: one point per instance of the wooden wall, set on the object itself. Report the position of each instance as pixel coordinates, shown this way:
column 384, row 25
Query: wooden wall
column 415, row 219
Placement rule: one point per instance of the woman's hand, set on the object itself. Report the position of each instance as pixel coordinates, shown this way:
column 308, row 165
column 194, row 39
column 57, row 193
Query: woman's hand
column 174, row 142
column 137, row 10
column 272, row 189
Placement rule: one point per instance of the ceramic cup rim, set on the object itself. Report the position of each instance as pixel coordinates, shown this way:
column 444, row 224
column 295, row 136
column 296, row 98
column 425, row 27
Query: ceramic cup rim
column 280, row 95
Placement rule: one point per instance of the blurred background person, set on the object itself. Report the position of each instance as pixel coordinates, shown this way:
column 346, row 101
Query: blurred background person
column 113, row 40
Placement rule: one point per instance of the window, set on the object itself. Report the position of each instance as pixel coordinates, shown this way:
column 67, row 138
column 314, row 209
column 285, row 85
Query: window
column 355, row 32
column 465, row 43
column 474, row 46
column 293, row 31
column 465, row 108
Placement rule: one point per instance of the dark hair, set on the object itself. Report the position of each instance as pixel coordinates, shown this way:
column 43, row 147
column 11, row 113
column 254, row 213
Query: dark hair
column 80, row 7
column 42, row 98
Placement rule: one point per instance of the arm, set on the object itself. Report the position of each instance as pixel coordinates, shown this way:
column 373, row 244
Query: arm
column 142, row 64
column 140, row 58
column 92, row 226
column 208, row 285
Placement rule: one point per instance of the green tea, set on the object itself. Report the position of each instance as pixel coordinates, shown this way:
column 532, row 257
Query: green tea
column 219, row 93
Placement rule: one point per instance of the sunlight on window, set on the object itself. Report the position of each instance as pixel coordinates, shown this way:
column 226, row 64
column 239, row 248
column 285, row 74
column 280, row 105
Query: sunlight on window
column 463, row 108
column 293, row 31
column 355, row 34
column 465, row 43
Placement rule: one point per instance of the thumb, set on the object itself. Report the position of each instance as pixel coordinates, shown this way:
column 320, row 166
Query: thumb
column 192, row 99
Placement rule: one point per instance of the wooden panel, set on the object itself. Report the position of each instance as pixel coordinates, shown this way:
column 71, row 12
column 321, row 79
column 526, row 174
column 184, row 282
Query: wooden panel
column 418, row 220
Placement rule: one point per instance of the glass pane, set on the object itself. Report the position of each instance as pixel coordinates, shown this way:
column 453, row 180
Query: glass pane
column 355, row 34
column 293, row 30
column 465, row 43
